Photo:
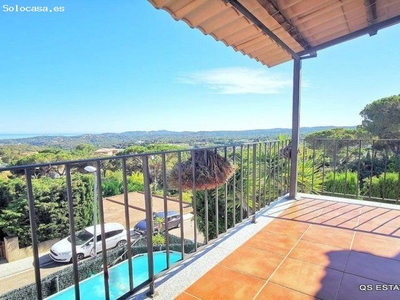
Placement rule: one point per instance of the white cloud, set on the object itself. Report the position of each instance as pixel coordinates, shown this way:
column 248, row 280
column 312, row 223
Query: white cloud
column 238, row 81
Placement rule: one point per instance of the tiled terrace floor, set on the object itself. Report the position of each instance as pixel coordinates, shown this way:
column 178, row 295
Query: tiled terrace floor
column 315, row 249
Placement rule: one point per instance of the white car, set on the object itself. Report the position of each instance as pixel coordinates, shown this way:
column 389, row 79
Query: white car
column 115, row 235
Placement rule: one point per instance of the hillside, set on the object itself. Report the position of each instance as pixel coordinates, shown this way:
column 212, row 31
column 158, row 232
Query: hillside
column 124, row 139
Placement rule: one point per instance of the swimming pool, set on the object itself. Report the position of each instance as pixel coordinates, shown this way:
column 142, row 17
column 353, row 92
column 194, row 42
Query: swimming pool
column 93, row 287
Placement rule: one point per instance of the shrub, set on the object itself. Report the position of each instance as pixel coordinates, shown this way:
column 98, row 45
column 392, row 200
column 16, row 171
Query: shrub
column 345, row 183
column 135, row 182
column 211, row 222
column 385, row 186
column 113, row 184
column 309, row 179
column 51, row 207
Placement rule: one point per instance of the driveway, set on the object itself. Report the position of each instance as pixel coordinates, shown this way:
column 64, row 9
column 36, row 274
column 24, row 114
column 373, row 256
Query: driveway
column 114, row 210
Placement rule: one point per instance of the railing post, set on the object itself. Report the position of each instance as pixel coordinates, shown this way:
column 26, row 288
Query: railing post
column 103, row 238
column 149, row 221
column 127, row 224
column 181, row 204
column 295, row 128
column 72, row 229
column 32, row 220
column 194, row 199
column 234, row 187
column 166, row 228
column 254, row 198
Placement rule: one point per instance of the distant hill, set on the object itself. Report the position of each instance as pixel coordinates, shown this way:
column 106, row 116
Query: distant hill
column 124, row 139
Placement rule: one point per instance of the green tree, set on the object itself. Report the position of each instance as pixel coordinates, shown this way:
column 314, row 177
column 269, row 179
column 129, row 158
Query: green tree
column 84, row 150
column 51, row 207
column 155, row 161
column 335, row 138
column 9, row 153
column 382, row 118
column 47, row 155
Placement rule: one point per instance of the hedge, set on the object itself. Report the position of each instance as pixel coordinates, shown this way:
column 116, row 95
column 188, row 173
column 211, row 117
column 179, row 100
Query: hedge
column 385, row 186
column 51, row 207
column 341, row 183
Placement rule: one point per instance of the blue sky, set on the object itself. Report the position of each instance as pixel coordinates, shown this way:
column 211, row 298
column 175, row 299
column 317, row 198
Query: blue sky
column 115, row 66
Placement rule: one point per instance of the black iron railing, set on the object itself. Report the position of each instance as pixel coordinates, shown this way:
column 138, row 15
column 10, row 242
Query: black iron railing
column 261, row 176
column 360, row 169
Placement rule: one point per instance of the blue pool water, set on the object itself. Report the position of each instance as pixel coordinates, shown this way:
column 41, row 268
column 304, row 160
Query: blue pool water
column 93, row 287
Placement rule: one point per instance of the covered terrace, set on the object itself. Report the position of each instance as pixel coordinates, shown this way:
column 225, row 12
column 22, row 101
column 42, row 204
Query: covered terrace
column 302, row 246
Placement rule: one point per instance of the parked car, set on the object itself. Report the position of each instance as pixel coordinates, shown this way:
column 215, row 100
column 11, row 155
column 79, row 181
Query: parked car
column 115, row 235
column 173, row 220
column 135, row 235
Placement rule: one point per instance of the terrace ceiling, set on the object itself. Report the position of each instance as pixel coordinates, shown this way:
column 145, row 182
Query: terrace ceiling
column 304, row 26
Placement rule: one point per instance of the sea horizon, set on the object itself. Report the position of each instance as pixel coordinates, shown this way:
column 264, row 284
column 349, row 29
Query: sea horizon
column 14, row 136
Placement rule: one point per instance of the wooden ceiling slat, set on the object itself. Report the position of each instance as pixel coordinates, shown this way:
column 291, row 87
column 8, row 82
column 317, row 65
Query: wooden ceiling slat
column 329, row 13
column 264, row 50
column 213, row 23
column 236, row 26
column 204, row 12
column 317, row 22
column 319, row 34
column 245, row 35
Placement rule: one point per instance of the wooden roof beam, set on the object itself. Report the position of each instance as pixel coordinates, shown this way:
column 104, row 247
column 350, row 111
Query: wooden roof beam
column 243, row 10
column 370, row 6
column 273, row 9
column 352, row 35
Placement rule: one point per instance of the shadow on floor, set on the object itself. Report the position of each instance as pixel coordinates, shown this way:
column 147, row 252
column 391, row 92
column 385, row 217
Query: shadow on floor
column 365, row 276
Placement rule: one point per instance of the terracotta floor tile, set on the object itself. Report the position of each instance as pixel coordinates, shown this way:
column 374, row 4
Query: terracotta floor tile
column 336, row 205
column 368, row 227
column 319, row 254
column 186, row 296
column 307, row 202
column 332, row 247
column 309, row 205
column 224, row 283
column 344, row 210
column 275, row 243
column 382, row 217
column 340, row 208
column 305, row 217
column 277, row 292
column 336, row 237
column 373, row 267
column 286, row 227
column 345, row 206
column 372, row 214
column 252, row 261
column 377, row 244
column 386, row 230
column 388, row 223
column 308, row 278
column 297, row 210
column 350, row 289
column 337, row 221
column 392, row 216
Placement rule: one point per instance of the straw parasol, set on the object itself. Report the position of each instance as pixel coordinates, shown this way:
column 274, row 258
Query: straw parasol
column 211, row 170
